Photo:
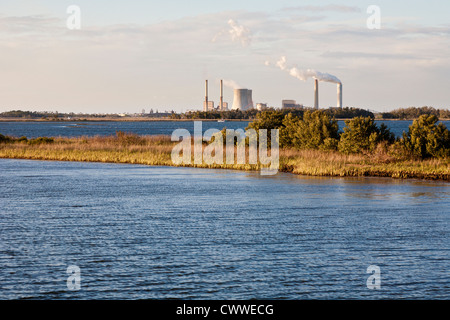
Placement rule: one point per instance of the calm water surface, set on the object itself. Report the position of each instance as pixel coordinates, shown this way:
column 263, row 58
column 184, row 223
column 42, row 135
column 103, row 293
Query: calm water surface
column 140, row 232
column 90, row 128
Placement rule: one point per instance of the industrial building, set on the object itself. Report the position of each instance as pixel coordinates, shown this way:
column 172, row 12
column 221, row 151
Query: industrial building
column 261, row 106
column 209, row 105
column 290, row 104
column 242, row 99
column 316, row 94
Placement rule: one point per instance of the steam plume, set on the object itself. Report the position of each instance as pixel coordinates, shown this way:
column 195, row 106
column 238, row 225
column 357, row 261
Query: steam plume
column 304, row 74
column 232, row 84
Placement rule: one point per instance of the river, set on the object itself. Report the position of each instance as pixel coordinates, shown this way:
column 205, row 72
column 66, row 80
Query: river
column 142, row 232
column 91, row 128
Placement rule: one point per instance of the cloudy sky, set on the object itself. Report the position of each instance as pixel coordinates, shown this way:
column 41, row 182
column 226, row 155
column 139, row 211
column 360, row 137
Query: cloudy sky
column 133, row 55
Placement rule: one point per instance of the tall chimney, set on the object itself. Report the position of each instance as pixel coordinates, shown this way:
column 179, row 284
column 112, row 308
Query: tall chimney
column 205, row 107
column 221, row 96
column 339, row 95
column 316, row 94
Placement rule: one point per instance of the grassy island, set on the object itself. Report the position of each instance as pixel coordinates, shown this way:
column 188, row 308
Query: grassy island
column 309, row 145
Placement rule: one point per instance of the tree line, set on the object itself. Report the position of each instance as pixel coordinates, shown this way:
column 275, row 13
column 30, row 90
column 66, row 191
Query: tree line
column 426, row 138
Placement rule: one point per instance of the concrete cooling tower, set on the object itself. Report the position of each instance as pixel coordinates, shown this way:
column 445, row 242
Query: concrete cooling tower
column 242, row 99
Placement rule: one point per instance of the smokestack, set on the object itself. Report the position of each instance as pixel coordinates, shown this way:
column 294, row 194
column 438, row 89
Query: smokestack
column 221, row 96
column 205, row 107
column 316, row 94
column 339, row 95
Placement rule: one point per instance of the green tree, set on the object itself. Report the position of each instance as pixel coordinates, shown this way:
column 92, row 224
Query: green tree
column 267, row 120
column 427, row 139
column 317, row 130
column 289, row 130
column 362, row 134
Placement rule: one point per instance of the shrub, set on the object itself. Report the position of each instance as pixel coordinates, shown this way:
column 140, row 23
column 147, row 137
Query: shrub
column 425, row 139
column 267, row 120
column 315, row 131
column 126, row 138
column 4, row 139
column 289, row 129
column 41, row 140
column 362, row 135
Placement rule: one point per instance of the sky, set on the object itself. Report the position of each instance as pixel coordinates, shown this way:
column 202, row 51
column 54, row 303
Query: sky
column 133, row 55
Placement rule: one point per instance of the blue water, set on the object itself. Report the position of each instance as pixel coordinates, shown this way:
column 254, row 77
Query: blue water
column 75, row 129
column 140, row 232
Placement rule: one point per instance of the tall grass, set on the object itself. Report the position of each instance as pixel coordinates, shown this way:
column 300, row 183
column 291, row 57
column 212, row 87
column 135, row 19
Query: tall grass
column 156, row 150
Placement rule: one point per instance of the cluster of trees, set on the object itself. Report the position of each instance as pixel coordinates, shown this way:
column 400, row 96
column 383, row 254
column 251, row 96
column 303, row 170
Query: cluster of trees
column 348, row 113
column 338, row 113
column 415, row 113
column 27, row 114
column 318, row 130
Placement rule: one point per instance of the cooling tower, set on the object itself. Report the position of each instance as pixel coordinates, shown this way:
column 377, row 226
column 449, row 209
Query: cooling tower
column 339, row 95
column 249, row 100
column 316, row 94
column 242, row 99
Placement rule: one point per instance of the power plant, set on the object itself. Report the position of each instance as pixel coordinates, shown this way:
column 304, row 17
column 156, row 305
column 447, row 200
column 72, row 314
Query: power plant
column 209, row 105
column 316, row 94
column 242, row 99
column 205, row 104
column 339, row 95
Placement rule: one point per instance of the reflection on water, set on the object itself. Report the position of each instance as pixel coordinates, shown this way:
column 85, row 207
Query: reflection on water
column 159, row 232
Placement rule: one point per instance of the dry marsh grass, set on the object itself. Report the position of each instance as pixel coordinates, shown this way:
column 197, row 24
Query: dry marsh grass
column 156, row 150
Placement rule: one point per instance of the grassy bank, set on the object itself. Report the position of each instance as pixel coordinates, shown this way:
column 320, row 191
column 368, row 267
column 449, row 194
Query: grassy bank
column 156, row 150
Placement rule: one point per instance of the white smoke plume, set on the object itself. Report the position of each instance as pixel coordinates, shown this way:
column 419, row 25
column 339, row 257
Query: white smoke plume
column 305, row 74
column 232, row 84
column 238, row 33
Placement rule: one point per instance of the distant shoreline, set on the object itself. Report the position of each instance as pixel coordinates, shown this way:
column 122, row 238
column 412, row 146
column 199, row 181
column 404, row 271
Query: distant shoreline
column 157, row 120
column 118, row 120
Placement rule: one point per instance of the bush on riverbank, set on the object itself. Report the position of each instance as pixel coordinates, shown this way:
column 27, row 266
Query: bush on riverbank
column 362, row 135
column 316, row 130
column 426, row 139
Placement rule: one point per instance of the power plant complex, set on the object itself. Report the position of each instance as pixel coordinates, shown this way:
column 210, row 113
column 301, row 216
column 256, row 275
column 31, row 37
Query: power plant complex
column 243, row 99
column 209, row 105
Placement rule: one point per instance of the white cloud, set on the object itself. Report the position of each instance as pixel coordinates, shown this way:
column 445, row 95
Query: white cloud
column 116, row 67
column 238, row 33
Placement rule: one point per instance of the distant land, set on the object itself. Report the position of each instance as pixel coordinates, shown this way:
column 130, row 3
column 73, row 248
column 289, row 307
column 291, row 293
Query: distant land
column 232, row 115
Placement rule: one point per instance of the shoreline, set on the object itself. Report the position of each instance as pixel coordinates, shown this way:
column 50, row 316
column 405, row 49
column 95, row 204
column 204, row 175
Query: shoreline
column 120, row 120
column 159, row 120
column 156, row 150
column 375, row 175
